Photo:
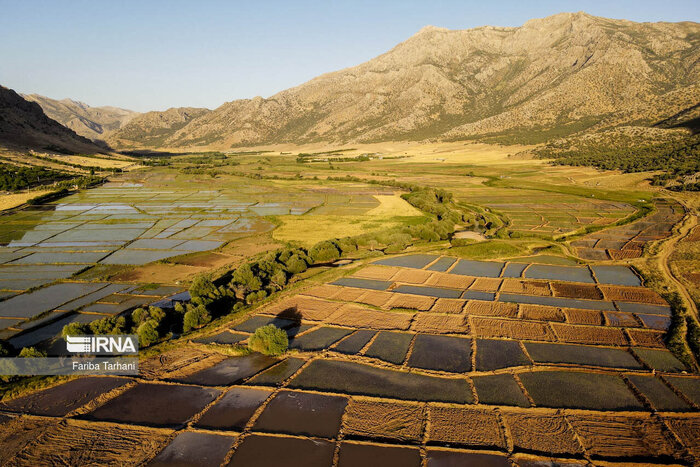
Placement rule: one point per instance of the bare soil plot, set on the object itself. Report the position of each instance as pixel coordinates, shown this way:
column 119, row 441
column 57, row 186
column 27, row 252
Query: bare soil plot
column 303, row 414
column 412, row 302
column 527, row 287
column 559, row 273
column 230, row 371
column 660, row 360
column 450, row 281
column 194, row 449
column 264, row 451
column 687, row 430
column 513, row 329
column 690, row 387
column 632, row 294
column 569, row 389
column 356, row 378
column 502, row 309
column 323, row 291
column 492, row 354
column 661, row 396
column 546, row 434
column 454, row 458
column 155, row 405
column 390, row 346
column 576, row 316
column 416, row 261
column 375, row 298
column 589, row 334
column 358, row 317
column 308, row 308
column 181, row 359
column 355, row 454
column 319, row 339
column 354, row 343
column 370, row 284
column 465, row 426
column 568, row 290
column 440, row 324
column 477, row 268
column 442, row 353
column 616, row 436
column 412, row 276
column 647, row 338
column 448, row 305
column 71, row 442
column 581, row 355
column 349, row 294
column 541, row 313
column 428, row 291
column 486, row 284
column 277, row 374
column 384, row 420
column 381, row 273
column 58, row 401
column 233, row 411
column 499, row 390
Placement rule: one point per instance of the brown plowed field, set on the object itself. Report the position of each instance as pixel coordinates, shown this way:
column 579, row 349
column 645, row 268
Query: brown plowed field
column 589, row 334
column 514, row 329
column 465, row 426
column 450, row 281
column 547, row 434
column 381, row 273
column 448, row 305
column 441, row 324
column 412, row 302
column 384, row 420
column 541, row 312
column 568, row 290
column 526, row 287
column 479, row 308
column 358, row 317
column 632, row 294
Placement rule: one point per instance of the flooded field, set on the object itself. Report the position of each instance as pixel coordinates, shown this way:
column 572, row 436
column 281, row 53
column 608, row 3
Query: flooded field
column 512, row 380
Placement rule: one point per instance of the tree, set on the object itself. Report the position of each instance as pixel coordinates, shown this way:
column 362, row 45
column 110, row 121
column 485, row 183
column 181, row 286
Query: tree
column 203, row 287
column 296, row 265
column 323, row 252
column 269, row 340
column 148, row 333
column 31, row 352
column 195, row 318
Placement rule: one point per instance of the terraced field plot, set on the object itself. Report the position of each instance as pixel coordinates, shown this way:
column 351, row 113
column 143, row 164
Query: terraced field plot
column 628, row 241
column 507, row 381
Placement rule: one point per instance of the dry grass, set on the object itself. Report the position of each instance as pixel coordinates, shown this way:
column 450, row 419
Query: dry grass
column 12, row 200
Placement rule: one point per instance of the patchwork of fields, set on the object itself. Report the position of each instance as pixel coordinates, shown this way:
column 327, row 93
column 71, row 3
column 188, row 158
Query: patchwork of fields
column 627, row 241
column 409, row 361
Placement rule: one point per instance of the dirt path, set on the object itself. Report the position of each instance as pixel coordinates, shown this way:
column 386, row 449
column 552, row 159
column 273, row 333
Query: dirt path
column 689, row 222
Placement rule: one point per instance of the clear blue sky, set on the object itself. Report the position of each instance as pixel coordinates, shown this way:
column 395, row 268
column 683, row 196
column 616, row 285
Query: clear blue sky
column 151, row 55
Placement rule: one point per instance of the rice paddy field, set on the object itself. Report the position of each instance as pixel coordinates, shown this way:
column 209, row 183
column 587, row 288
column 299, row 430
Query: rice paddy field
column 397, row 361
column 517, row 351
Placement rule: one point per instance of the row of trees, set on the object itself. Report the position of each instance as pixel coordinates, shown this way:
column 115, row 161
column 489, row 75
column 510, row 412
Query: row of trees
column 15, row 178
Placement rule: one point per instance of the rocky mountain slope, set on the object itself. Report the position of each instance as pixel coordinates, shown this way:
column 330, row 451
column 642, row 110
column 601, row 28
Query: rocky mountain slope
column 92, row 122
column 23, row 125
column 549, row 78
column 152, row 129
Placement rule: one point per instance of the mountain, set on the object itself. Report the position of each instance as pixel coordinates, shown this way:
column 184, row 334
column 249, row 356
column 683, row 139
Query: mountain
column 548, row 78
column 92, row 122
column 23, row 125
column 152, row 129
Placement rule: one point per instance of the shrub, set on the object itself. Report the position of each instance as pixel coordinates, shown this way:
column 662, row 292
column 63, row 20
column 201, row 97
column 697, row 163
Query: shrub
column 31, row 352
column 75, row 329
column 269, row 340
column 195, row 318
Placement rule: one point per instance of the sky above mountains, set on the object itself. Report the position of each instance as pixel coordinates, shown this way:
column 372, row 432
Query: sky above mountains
column 151, row 55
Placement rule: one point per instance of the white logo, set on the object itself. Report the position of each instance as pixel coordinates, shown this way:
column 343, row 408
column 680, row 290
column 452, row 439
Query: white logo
column 101, row 344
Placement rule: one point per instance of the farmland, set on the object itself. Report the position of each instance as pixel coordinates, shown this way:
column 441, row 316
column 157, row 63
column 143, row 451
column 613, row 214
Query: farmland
column 543, row 338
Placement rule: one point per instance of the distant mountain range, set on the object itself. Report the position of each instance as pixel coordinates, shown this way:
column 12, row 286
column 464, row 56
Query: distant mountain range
column 567, row 74
column 90, row 122
column 24, row 125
